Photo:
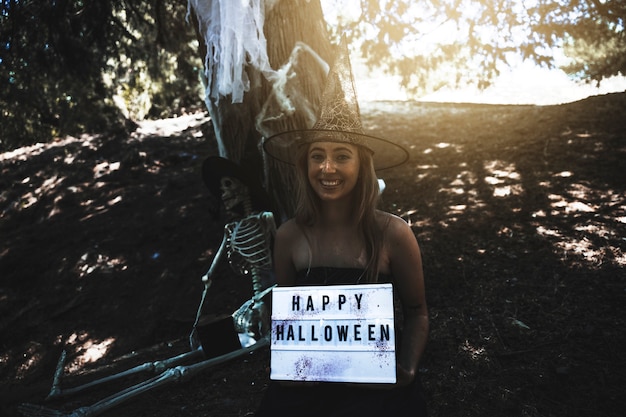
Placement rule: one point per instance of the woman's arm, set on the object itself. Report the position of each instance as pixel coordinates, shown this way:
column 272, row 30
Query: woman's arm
column 285, row 247
column 283, row 257
column 406, row 267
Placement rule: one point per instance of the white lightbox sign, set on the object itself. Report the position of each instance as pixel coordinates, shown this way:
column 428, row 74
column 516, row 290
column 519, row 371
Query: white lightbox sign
column 338, row 333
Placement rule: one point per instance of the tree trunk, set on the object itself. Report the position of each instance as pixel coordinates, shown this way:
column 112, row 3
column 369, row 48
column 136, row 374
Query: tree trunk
column 238, row 127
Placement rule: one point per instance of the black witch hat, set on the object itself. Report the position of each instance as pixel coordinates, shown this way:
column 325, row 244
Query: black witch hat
column 214, row 168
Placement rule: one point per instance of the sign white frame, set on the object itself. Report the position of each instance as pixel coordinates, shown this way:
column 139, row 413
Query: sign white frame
column 337, row 333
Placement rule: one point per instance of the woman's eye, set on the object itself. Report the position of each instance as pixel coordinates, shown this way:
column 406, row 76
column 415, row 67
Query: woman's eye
column 343, row 157
column 317, row 157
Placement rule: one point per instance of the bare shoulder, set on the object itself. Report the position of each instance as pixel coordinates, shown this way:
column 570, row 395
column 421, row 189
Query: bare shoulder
column 288, row 230
column 402, row 254
column 394, row 227
column 290, row 252
column 289, row 236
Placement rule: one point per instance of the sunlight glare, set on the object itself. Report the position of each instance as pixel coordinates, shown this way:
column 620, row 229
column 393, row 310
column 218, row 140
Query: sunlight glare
column 105, row 168
column 32, row 356
column 169, row 127
column 502, row 191
column 89, row 263
column 583, row 248
column 475, row 353
column 49, row 184
column 459, row 208
column 562, row 204
column 88, row 350
column 523, row 82
column 504, row 178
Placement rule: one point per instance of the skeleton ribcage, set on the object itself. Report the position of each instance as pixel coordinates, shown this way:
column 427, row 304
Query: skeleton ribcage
column 249, row 245
column 249, row 253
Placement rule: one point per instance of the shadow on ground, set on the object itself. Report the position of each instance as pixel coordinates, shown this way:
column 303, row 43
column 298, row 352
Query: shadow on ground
column 519, row 210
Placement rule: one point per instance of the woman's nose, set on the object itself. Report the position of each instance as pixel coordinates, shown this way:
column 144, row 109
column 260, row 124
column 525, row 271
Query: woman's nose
column 328, row 166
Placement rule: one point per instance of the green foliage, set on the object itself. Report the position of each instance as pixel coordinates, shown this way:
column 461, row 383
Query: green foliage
column 596, row 49
column 68, row 66
column 71, row 66
column 432, row 43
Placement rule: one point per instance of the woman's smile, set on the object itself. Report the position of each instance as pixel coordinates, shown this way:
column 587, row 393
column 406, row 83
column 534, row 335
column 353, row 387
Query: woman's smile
column 333, row 169
column 330, row 183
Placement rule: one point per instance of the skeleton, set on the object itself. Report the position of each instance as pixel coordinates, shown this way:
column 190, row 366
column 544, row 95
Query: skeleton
column 246, row 243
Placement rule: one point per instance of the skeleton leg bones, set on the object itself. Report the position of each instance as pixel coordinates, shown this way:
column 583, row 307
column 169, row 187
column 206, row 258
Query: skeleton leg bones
column 194, row 354
column 247, row 244
column 176, row 374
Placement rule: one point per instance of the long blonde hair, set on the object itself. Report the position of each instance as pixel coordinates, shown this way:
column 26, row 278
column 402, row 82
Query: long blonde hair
column 366, row 199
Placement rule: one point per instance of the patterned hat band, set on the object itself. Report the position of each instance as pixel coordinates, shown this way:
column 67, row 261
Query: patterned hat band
column 284, row 146
column 335, row 136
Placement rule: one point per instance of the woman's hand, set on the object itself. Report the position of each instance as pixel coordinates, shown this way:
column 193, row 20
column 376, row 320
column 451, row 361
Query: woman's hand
column 403, row 376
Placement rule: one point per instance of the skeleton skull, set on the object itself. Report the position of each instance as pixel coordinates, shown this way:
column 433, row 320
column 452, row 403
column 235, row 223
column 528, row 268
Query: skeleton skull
column 234, row 192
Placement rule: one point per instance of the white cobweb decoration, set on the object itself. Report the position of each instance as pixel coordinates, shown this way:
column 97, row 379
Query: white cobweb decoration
column 233, row 33
column 234, row 38
column 289, row 104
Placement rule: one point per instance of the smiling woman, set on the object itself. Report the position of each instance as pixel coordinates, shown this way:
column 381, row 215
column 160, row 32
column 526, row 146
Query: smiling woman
column 338, row 236
column 333, row 169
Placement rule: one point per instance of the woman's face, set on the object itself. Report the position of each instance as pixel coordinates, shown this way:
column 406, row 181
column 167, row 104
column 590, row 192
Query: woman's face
column 333, row 169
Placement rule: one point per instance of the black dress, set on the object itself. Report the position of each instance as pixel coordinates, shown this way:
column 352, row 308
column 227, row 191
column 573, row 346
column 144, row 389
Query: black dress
column 334, row 399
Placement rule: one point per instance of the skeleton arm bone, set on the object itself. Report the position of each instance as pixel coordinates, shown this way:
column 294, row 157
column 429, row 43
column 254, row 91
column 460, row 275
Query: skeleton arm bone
column 209, row 275
column 207, row 279
column 268, row 218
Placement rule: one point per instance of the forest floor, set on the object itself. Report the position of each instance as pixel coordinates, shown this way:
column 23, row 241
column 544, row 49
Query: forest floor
column 520, row 212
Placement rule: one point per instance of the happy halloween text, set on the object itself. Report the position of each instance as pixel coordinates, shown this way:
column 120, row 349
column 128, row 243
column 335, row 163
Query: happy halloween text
column 360, row 330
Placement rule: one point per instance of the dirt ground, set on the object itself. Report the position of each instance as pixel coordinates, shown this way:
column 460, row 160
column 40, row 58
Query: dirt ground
column 520, row 212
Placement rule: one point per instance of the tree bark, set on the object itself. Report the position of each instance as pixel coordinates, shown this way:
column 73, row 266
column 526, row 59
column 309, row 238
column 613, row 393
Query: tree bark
column 286, row 23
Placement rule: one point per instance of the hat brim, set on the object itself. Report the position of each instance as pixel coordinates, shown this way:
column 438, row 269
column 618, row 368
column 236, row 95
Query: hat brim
column 284, row 146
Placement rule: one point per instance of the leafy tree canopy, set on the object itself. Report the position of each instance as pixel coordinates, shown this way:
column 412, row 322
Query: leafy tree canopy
column 433, row 43
column 69, row 66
